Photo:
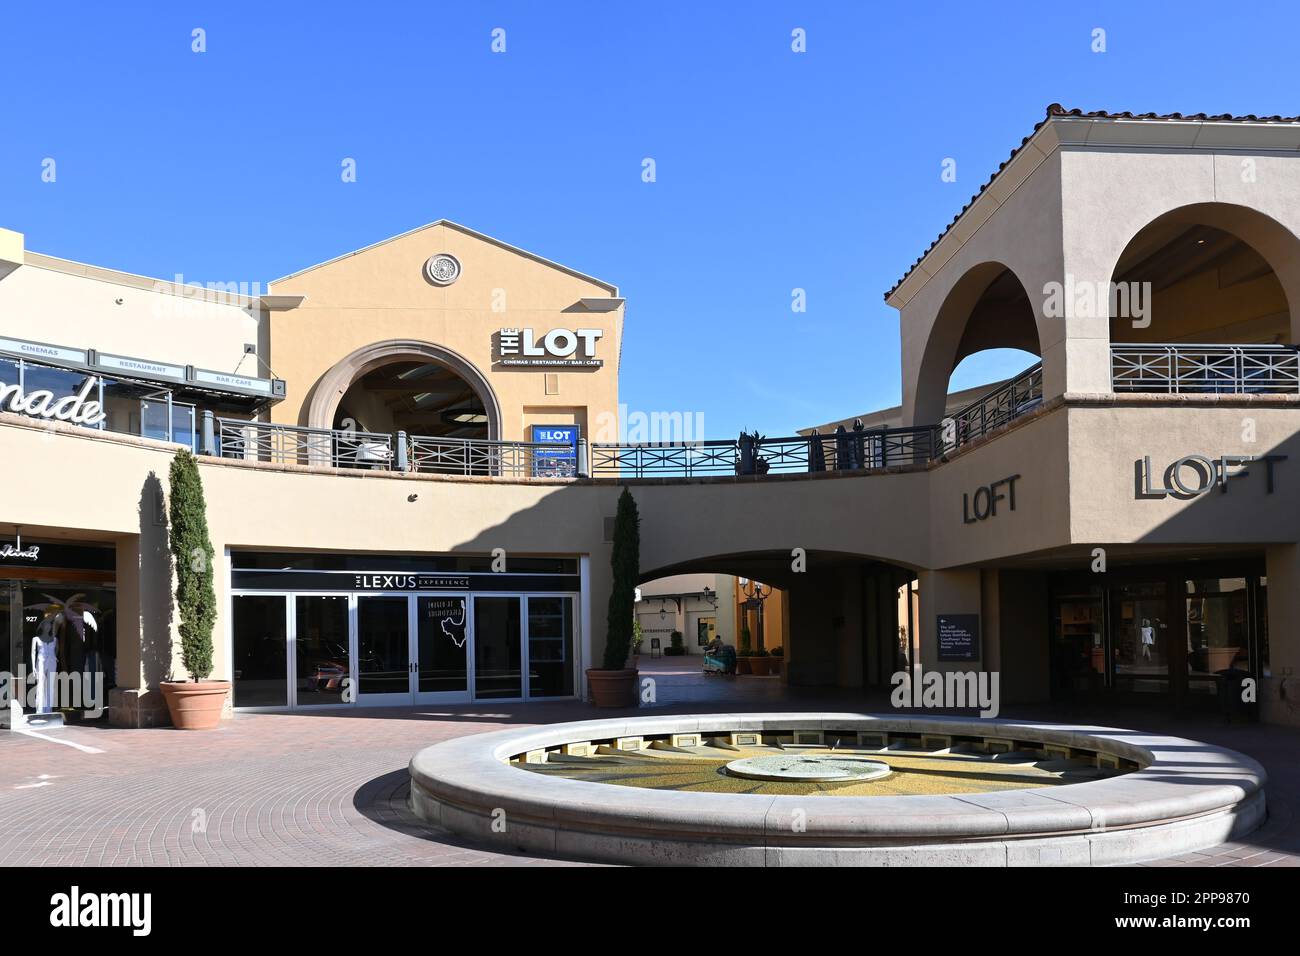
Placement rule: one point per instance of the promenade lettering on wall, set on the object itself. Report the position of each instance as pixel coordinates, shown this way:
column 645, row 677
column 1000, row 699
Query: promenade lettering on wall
column 1193, row 475
column 76, row 409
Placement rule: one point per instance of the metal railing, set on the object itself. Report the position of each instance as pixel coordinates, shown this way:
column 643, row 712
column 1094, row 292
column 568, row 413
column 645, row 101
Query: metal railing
column 295, row 445
column 1007, row 402
column 469, row 456
column 857, row 449
column 1205, row 369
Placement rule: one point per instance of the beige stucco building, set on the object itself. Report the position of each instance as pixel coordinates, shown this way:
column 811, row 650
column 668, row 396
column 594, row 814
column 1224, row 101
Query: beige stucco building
column 410, row 482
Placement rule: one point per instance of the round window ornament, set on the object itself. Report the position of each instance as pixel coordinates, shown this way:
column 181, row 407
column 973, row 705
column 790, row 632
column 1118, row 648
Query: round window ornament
column 442, row 269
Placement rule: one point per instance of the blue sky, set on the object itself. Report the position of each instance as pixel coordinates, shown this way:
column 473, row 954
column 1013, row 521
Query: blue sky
column 775, row 170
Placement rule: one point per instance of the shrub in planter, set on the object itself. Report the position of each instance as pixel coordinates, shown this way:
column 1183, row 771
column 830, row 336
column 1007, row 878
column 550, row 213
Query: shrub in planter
column 196, row 704
column 760, row 664
column 676, row 647
column 613, row 684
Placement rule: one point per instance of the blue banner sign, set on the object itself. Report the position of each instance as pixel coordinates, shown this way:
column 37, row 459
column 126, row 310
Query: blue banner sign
column 563, row 461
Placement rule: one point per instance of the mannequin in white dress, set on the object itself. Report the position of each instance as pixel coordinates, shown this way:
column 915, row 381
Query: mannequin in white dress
column 44, row 662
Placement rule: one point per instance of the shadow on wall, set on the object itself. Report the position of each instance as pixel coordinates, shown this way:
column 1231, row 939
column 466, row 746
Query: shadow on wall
column 155, row 574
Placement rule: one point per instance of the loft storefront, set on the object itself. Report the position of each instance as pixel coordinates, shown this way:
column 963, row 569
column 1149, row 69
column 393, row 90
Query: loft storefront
column 371, row 630
column 1164, row 632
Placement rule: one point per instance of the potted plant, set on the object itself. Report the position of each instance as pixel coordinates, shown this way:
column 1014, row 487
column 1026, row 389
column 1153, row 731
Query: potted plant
column 614, row 684
column 195, row 704
column 777, row 659
column 760, row 663
column 743, row 652
column 676, row 646
column 637, row 637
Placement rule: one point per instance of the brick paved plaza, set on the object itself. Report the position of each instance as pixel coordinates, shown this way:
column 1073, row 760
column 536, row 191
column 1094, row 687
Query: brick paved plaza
column 318, row 790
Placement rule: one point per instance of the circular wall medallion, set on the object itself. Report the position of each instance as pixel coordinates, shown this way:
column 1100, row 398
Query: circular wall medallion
column 442, row 269
column 810, row 768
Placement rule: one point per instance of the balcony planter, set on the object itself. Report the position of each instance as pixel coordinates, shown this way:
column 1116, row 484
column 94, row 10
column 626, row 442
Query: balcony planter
column 613, row 688
column 195, row 705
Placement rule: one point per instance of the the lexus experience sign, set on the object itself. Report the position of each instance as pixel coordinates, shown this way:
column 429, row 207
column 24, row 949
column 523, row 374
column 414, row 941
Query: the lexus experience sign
column 562, row 348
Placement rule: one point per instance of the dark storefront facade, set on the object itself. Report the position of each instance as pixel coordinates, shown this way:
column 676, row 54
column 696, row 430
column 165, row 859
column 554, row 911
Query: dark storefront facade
column 1160, row 633
column 63, row 595
column 337, row 630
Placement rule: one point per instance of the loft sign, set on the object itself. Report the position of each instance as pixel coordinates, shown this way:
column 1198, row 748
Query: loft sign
column 558, row 347
column 76, row 409
column 1193, row 475
column 984, row 503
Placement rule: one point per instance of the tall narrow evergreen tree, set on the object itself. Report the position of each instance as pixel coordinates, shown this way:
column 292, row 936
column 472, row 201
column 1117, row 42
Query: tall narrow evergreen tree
column 196, row 600
column 626, row 565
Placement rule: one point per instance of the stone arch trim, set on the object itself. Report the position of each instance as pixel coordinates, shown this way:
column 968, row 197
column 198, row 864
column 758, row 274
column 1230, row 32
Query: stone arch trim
column 333, row 384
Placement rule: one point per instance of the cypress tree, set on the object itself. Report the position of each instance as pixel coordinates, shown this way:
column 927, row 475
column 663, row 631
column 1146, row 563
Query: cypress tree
column 196, row 600
column 625, row 561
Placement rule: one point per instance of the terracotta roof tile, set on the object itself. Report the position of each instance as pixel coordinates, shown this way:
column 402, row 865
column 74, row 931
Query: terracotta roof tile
column 1055, row 110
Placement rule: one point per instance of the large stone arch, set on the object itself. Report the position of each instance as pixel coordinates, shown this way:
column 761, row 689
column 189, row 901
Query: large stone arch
column 1273, row 241
column 950, row 336
column 329, row 390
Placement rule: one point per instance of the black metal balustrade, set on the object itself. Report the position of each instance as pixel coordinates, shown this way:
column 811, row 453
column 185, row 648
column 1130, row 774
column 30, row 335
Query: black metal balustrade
column 759, row 455
column 469, row 456
column 1205, row 369
column 295, row 445
column 1007, row 402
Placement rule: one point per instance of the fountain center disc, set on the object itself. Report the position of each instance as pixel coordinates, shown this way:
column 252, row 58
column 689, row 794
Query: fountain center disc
column 809, row 768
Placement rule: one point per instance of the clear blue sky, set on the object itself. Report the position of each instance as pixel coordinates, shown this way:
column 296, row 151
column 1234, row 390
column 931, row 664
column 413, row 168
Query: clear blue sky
column 775, row 170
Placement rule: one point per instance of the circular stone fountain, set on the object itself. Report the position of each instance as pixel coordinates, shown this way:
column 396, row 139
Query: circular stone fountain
column 1115, row 796
column 809, row 768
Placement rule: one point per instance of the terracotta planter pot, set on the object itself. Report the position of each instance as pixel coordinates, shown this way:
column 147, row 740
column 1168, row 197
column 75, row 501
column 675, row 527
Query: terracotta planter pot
column 195, row 705
column 613, row 688
column 774, row 663
column 760, row 666
column 742, row 664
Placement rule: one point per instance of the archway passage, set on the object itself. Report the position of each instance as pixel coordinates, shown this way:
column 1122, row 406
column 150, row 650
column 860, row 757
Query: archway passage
column 840, row 620
column 1208, row 273
column 420, row 398
column 988, row 314
column 416, row 387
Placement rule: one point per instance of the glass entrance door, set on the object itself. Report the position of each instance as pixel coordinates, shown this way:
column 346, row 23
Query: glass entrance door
column 498, row 647
column 383, row 649
column 442, row 648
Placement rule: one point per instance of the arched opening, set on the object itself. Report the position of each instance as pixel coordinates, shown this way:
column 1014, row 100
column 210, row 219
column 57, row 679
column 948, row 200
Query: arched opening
column 1206, row 273
column 415, row 387
column 986, row 333
column 841, row 620
column 420, row 398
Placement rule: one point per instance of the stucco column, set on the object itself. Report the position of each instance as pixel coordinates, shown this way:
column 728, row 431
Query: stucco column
column 136, row 700
column 1279, row 691
column 949, row 592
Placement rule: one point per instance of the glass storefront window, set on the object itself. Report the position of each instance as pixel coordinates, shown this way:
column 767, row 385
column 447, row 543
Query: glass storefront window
column 550, row 646
column 498, row 646
column 1218, row 630
column 443, row 645
column 383, row 646
column 321, row 643
column 1079, row 640
column 1140, row 637
column 61, row 381
column 48, row 611
column 260, row 639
